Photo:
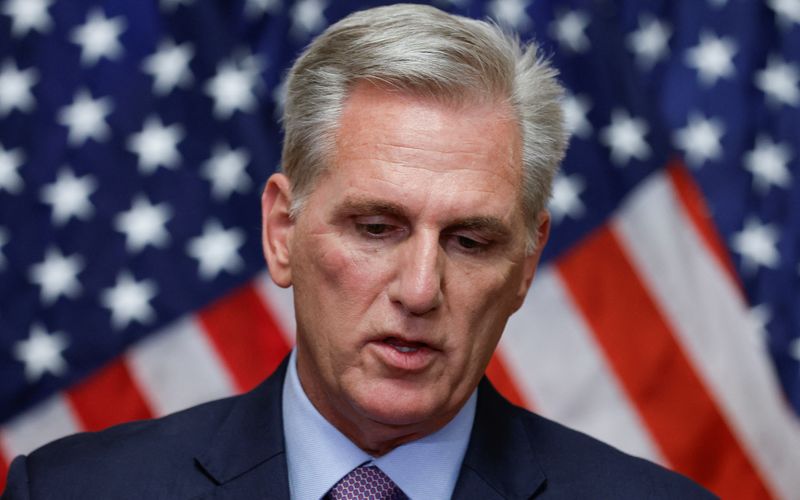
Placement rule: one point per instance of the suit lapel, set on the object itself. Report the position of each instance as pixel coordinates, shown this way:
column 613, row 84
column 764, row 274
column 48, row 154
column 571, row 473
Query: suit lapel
column 499, row 462
column 246, row 457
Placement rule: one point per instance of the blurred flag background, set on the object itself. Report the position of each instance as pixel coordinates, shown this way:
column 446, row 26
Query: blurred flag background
column 135, row 138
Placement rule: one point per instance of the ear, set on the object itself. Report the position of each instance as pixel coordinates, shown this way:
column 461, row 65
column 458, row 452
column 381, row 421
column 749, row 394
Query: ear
column 276, row 228
column 532, row 259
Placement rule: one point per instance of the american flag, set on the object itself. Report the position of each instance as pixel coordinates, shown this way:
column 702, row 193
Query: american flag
column 665, row 318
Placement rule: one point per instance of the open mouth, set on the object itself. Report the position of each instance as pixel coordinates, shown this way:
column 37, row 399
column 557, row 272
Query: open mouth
column 406, row 356
column 404, row 346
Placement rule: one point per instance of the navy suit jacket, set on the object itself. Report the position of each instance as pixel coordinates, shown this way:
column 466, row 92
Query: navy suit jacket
column 234, row 449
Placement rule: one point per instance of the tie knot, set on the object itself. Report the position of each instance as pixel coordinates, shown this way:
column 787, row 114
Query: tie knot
column 366, row 482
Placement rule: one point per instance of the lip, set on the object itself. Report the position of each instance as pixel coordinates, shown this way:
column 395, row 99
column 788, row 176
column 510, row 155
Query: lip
column 391, row 351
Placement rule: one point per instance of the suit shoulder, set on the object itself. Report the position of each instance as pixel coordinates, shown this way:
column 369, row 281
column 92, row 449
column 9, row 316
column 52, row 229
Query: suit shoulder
column 581, row 462
column 184, row 429
column 144, row 452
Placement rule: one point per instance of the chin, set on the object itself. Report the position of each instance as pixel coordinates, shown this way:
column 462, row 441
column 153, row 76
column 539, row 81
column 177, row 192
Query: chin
column 398, row 407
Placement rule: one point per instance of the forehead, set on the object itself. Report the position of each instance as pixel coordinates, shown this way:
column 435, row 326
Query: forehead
column 373, row 115
column 421, row 145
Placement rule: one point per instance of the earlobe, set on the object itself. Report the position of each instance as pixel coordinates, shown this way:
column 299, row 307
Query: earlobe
column 277, row 227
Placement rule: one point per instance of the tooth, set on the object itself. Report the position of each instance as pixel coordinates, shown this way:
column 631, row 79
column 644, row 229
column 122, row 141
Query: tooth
column 405, row 349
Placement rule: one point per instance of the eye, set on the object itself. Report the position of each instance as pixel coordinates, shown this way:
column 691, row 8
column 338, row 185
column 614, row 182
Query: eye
column 374, row 229
column 469, row 243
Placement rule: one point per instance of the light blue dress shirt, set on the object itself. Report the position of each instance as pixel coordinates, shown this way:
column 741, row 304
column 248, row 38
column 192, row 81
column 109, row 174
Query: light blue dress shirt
column 318, row 455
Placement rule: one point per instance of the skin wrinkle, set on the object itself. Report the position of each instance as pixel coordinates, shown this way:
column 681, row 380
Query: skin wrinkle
column 478, row 189
column 391, row 145
column 405, row 164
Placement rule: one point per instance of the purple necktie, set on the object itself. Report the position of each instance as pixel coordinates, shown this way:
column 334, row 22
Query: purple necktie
column 366, row 482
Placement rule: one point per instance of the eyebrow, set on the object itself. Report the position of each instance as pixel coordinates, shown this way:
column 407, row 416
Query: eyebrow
column 491, row 226
column 370, row 206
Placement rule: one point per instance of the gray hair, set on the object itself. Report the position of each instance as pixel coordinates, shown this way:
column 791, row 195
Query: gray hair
column 424, row 51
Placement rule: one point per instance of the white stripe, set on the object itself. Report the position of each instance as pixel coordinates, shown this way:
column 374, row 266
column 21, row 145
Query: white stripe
column 711, row 321
column 558, row 365
column 45, row 422
column 177, row 368
column 280, row 302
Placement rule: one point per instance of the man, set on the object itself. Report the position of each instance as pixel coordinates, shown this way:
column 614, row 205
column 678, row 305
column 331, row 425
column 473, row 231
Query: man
column 409, row 219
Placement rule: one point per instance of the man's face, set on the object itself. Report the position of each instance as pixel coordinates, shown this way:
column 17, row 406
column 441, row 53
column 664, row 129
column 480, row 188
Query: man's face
column 406, row 260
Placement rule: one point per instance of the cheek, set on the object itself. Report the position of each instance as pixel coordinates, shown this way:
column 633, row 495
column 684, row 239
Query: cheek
column 488, row 307
column 350, row 277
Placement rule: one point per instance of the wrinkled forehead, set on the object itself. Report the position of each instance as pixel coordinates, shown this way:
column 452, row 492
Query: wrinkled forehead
column 411, row 140
column 381, row 115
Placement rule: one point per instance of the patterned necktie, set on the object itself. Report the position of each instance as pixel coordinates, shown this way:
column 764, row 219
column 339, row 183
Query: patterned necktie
column 366, row 482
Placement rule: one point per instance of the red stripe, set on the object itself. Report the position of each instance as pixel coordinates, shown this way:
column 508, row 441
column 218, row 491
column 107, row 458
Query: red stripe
column 695, row 208
column 3, row 472
column 109, row 397
column 245, row 335
column 672, row 400
column 503, row 382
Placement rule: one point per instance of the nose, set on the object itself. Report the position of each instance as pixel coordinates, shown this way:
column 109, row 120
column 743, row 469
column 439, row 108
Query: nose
column 417, row 285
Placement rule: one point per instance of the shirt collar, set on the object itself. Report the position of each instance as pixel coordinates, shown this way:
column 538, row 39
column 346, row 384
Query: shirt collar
column 318, row 455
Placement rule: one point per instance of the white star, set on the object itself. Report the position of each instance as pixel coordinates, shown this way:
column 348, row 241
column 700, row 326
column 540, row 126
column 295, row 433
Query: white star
column 308, row 17
column 569, row 29
column 98, row 37
column 42, row 353
column 144, row 224
column 226, row 171
column 767, row 162
column 759, row 317
column 757, row 244
column 156, row 145
column 4, row 239
column 625, row 137
column 15, row 88
column 217, row 250
column 700, row 139
column 233, row 85
column 779, row 81
column 171, row 5
column 566, row 200
column 788, row 11
column 129, row 300
column 69, row 196
column 57, row 275
column 10, row 161
column 712, row 57
column 575, row 110
column 257, row 8
column 649, row 43
column 27, row 15
column 86, row 118
column 510, row 13
column 169, row 66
